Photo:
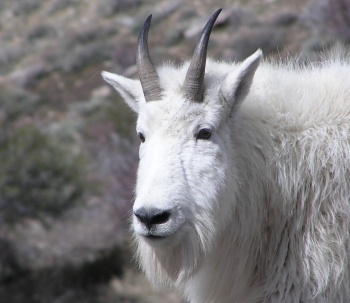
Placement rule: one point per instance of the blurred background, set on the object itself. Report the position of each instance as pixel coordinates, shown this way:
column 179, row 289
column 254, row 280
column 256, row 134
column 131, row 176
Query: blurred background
column 68, row 148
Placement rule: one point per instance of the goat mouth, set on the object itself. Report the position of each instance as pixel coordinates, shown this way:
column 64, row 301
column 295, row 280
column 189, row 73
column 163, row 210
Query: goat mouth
column 150, row 236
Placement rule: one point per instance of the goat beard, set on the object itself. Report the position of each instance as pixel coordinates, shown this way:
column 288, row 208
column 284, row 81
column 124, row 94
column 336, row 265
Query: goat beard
column 174, row 265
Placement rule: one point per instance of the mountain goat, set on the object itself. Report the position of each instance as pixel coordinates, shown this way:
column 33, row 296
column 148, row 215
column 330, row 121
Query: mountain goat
column 243, row 186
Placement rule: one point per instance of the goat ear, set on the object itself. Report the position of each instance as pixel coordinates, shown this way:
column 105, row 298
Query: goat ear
column 237, row 83
column 129, row 89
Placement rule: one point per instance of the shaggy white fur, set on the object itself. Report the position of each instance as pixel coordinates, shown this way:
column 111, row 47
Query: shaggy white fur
column 260, row 211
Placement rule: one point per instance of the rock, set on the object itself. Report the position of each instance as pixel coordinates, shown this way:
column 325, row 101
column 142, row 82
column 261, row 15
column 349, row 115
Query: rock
column 8, row 56
column 10, row 268
column 27, row 76
column 84, row 55
column 195, row 29
column 126, row 21
column 165, row 9
column 42, row 31
column 248, row 40
column 108, row 8
column 101, row 92
column 285, row 19
column 124, row 53
column 25, row 8
column 131, row 71
column 232, row 16
column 174, row 37
column 159, row 13
column 55, row 6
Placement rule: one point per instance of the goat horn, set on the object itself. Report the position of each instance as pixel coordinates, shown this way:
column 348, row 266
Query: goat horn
column 193, row 85
column 147, row 73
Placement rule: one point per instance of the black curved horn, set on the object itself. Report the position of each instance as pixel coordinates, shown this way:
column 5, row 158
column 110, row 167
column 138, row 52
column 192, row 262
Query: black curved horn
column 193, row 85
column 147, row 73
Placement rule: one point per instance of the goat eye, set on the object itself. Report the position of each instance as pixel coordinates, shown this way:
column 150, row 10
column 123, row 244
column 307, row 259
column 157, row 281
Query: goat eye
column 142, row 137
column 204, row 134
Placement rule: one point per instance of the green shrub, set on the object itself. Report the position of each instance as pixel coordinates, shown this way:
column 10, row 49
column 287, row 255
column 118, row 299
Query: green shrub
column 38, row 175
column 16, row 102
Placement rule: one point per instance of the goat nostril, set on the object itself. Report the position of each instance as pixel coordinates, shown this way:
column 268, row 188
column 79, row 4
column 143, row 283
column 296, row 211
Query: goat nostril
column 160, row 218
column 152, row 216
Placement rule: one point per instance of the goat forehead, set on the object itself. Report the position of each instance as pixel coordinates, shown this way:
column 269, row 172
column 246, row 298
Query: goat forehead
column 174, row 112
column 172, row 77
column 171, row 115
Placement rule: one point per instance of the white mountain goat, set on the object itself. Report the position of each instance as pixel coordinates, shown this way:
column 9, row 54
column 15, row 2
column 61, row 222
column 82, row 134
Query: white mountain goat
column 243, row 187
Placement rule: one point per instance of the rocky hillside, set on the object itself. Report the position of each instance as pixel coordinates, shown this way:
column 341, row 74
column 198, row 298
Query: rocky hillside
column 68, row 152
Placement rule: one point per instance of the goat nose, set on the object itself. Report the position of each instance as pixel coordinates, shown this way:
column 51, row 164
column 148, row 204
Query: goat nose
column 152, row 216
